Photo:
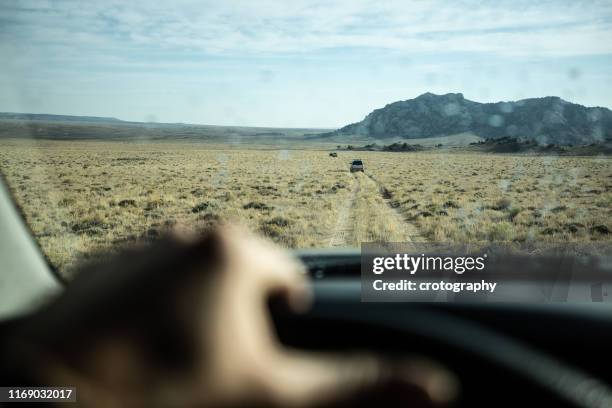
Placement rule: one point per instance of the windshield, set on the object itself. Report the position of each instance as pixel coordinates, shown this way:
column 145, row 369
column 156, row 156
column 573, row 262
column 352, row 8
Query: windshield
column 478, row 122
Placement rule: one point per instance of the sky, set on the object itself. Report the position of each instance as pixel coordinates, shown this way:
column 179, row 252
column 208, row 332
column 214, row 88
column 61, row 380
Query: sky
column 300, row 63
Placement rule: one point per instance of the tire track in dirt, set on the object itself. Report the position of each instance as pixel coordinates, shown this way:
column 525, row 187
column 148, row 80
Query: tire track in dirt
column 411, row 232
column 346, row 219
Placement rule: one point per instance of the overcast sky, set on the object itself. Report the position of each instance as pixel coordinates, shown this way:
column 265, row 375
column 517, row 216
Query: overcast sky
column 294, row 63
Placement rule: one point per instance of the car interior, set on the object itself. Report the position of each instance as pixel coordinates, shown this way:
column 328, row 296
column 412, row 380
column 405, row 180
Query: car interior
column 336, row 132
column 551, row 354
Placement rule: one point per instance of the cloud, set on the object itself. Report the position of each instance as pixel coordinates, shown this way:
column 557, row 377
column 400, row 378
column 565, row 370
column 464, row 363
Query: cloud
column 294, row 63
column 229, row 28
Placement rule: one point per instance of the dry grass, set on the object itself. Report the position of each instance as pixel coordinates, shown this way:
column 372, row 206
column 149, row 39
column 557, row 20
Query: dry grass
column 84, row 196
column 79, row 197
column 476, row 197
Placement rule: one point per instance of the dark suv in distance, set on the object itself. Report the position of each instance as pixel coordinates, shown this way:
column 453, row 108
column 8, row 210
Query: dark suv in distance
column 357, row 165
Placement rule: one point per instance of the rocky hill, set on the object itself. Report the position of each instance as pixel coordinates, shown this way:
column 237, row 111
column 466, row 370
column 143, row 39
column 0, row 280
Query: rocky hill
column 548, row 120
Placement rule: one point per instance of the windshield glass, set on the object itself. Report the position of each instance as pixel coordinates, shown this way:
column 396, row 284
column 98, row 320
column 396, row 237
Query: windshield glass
column 473, row 121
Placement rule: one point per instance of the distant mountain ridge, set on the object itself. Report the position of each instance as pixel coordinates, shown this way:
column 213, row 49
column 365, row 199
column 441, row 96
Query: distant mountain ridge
column 547, row 120
column 67, row 127
column 56, row 118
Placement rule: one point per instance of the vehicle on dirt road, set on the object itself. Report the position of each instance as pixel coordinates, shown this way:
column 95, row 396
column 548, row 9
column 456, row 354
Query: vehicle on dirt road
column 357, row 165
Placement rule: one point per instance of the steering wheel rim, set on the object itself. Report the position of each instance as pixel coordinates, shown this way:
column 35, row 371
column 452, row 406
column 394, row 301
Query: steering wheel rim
column 560, row 379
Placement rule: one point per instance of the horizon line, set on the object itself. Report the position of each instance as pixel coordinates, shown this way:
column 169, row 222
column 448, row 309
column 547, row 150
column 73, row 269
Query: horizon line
column 282, row 127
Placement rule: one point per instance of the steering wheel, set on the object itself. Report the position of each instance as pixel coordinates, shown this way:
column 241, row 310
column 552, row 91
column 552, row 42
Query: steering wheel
column 492, row 362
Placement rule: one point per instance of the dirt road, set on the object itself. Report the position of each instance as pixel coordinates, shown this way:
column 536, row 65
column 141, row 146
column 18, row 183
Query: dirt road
column 368, row 215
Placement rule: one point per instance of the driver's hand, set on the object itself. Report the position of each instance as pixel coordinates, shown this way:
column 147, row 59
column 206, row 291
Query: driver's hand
column 198, row 332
